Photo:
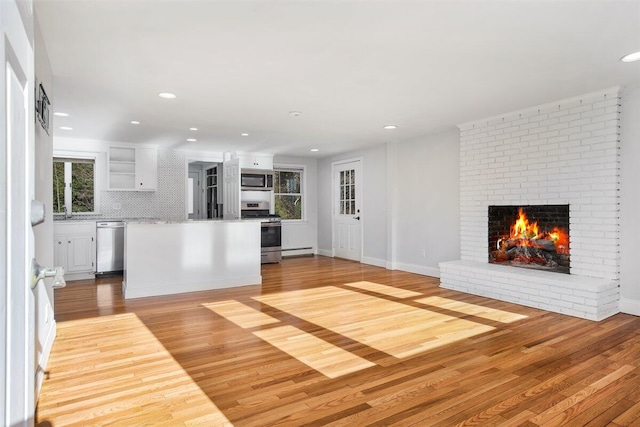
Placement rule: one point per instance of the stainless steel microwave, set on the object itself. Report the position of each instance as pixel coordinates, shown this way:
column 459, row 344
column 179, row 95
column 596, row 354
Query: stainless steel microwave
column 256, row 179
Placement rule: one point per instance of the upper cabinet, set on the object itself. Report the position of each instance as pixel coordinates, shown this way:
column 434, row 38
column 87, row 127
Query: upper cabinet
column 256, row 161
column 133, row 169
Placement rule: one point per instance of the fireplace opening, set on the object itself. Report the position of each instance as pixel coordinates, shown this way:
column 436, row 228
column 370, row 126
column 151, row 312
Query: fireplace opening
column 532, row 236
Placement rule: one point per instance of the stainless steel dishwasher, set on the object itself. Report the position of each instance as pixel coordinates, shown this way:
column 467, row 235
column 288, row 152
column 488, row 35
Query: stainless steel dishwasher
column 109, row 246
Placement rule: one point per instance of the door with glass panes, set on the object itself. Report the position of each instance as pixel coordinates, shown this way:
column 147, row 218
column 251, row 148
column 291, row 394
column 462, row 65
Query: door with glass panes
column 347, row 218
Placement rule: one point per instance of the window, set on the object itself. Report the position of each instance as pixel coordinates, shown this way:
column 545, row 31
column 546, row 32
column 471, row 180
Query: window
column 73, row 185
column 348, row 192
column 288, row 192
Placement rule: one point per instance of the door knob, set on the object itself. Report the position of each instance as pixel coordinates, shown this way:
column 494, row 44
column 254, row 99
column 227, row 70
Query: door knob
column 39, row 272
column 356, row 217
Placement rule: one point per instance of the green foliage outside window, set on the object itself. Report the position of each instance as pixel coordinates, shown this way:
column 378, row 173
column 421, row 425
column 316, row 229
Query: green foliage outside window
column 58, row 187
column 81, row 176
column 288, row 193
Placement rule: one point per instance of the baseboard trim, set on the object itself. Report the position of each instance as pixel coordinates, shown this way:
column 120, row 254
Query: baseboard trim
column 374, row 261
column 143, row 290
column 44, row 357
column 417, row 269
column 325, row 252
column 629, row 306
column 78, row 276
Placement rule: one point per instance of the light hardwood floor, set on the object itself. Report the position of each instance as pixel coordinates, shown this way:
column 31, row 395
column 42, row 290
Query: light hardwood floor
column 327, row 342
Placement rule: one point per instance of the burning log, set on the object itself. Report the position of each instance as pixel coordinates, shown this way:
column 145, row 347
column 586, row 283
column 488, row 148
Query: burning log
column 547, row 245
column 530, row 254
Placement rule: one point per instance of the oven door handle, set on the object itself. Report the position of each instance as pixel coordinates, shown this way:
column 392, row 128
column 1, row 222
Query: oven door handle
column 271, row 224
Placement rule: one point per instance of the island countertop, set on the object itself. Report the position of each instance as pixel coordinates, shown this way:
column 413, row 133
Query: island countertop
column 170, row 257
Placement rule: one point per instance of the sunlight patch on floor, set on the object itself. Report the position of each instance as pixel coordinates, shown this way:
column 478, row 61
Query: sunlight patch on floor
column 240, row 314
column 151, row 386
column 384, row 289
column 324, row 357
column 397, row 329
column 472, row 309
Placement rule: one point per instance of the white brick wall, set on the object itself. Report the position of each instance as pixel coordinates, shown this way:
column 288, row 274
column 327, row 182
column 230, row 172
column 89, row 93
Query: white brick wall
column 561, row 153
column 565, row 152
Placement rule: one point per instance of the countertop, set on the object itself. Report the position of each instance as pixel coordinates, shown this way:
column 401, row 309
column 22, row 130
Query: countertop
column 146, row 220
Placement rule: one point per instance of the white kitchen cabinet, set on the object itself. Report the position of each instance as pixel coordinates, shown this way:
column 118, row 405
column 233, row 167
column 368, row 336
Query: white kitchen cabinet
column 256, row 161
column 146, row 168
column 133, row 168
column 74, row 248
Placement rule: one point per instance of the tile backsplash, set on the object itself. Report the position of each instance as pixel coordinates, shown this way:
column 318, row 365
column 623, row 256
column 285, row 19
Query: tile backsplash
column 166, row 203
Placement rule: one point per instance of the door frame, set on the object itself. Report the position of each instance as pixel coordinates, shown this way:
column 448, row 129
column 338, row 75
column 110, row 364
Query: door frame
column 197, row 196
column 334, row 165
column 17, row 304
column 192, row 157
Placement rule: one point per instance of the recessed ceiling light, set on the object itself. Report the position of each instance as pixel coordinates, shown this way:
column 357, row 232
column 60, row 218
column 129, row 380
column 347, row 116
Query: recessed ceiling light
column 166, row 95
column 295, row 113
column 389, row 127
column 191, row 140
column 60, row 114
column 315, row 149
column 193, row 128
column 244, row 134
column 65, row 128
column 134, row 122
column 635, row 56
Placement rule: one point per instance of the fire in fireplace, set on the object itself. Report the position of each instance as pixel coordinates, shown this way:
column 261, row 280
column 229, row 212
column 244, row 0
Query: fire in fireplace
column 533, row 236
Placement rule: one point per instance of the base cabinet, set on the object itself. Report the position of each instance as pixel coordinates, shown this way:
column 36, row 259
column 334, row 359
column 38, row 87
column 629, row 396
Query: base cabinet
column 74, row 249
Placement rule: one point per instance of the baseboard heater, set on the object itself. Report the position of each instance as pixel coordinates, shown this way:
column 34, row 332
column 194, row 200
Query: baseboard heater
column 284, row 252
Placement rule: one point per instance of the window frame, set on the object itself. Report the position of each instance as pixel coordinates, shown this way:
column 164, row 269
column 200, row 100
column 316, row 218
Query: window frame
column 303, row 188
column 71, row 155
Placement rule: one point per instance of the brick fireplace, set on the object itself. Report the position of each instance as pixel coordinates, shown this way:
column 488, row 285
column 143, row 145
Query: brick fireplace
column 561, row 154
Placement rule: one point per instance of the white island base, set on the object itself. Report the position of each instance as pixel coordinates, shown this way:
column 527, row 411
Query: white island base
column 163, row 258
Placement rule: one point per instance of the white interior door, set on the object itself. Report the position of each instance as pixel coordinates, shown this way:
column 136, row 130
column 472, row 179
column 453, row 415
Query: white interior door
column 17, row 354
column 231, row 191
column 194, row 195
column 347, row 218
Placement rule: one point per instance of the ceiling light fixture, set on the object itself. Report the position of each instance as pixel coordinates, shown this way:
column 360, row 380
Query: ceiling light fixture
column 60, row 114
column 635, row 56
column 244, row 134
column 65, row 128
column 166, row 95
column 390, row 127
column 134, row 122
column 315, row 150
column 295, row 113
column 191, row 140
column 193, row 128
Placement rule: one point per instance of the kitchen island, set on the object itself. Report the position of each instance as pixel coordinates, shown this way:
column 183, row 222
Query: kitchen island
column 171, row 257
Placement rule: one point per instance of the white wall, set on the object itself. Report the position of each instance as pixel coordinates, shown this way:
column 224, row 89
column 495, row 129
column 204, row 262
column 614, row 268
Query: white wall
column 630, row 201
column 374, row 203
column 410, row 203
column 427, row 208
column 302, row 234
column 45, row 329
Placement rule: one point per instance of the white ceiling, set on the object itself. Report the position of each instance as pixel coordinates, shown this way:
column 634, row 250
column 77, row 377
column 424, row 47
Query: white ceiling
column 350, row 67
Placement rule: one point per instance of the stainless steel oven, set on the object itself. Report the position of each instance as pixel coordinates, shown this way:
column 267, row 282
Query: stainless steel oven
column 271, row 240
column 270, row 230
